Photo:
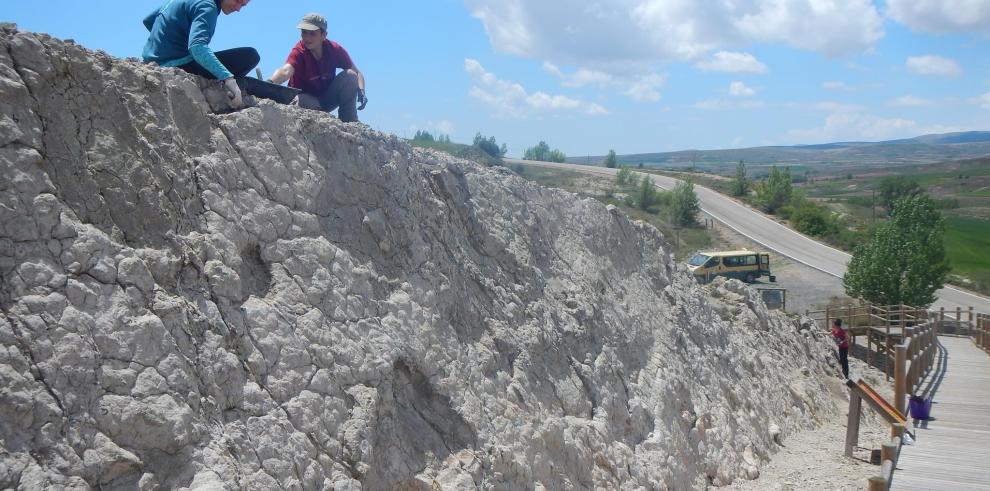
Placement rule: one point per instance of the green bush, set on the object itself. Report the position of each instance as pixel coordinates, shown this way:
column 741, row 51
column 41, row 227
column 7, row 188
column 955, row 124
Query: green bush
column 812, row 219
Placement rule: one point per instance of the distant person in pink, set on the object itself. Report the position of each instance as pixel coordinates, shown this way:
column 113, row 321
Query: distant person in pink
column 841, row 338
column 312, row 68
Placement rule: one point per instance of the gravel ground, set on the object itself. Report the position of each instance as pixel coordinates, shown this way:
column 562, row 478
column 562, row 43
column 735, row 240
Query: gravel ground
column 807, row 288
column 815, row 459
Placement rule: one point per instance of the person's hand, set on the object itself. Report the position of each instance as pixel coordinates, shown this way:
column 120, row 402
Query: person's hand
column 234, row 92
column 362, row 99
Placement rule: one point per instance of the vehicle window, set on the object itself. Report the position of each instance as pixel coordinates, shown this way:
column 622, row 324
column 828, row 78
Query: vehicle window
column 750, row 260
column 698, row 260
column 712, row 262
column 731, row 261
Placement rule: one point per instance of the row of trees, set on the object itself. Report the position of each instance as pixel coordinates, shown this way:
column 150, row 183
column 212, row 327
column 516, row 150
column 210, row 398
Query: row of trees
column 483, row 143
column 903, row 260
column 776, row 195
column 490, row 146
column 426, row 136
column 542, row 152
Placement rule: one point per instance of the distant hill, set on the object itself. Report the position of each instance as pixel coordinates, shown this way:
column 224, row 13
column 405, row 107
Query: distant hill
column 918, row 150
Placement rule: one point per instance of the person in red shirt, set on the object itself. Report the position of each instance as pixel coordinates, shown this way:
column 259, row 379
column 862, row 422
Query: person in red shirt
column 841, row 338
column 312, row 68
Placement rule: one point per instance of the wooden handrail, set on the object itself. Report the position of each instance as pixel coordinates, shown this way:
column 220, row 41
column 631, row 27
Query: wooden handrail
column 914, row 359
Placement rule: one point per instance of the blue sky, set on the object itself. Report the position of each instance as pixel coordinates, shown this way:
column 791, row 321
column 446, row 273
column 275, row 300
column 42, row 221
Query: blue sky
column 631, row 75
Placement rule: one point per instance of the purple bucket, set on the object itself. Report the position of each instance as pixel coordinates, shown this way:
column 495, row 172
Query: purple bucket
column 921, row 408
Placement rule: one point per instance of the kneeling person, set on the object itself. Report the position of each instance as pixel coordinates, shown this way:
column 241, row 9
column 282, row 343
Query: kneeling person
column 312, row 68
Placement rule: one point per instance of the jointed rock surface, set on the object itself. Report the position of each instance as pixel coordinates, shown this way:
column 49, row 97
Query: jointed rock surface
column 269, row 298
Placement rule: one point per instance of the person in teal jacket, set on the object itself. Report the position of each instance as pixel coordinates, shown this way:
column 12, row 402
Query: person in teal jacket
column 179, row 36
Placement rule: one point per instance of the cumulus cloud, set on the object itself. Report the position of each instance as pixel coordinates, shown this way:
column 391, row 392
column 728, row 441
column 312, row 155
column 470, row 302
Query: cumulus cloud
column 636, row 31
column 910, row 101
column 643, row 87
column 941, row 16
column 830, row 27
column 840, row 86
column 437, row 128
column 837, row 85
column 724, row 105
column 728, row 61
column 837, row 107
column 739, row 89
column 933, row 65
column 845, row 126
column 510, row 99
column 983, row 100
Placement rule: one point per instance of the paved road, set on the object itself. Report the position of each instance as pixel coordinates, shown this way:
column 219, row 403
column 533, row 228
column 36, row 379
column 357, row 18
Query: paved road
column 764, row 230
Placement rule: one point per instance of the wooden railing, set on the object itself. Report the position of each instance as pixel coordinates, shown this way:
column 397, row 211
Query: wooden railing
column 883, row 326
column 889, row 453
column 914, row 357
column 981, row 334
column 907, row 338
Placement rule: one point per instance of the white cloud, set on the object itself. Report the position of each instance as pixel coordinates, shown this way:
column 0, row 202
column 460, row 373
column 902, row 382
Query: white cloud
column 510, row 99
column 436, row 128
column 941, row 16
column 644, row 31
column 910, row 101
column 444, row 127
column 856, row 126
column 837, row 107
column 840, row 86
column 837, row 85
column 640, row 87
column 933, row 65
column 830, row 27
column 728, row 61
column 739, row 89
column 983, row 100
column 723, row 105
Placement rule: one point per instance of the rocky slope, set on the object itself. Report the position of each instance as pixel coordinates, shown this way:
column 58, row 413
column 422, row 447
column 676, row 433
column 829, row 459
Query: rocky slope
column 271, row 298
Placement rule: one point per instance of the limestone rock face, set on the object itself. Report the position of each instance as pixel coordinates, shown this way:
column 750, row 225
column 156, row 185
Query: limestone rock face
column 193, row 298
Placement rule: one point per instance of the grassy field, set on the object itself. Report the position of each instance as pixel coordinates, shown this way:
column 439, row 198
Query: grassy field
column 965, row 185
column 967, row 242
column 686, row 241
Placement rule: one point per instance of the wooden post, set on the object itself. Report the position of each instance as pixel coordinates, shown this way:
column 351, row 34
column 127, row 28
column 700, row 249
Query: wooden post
column 941, row 319
column 887, row 349
column 896, row 430
column 852, row 422
column 911, row 378
column 888, row 451
column 877, row 483
column 900, row 379
column 869, row 345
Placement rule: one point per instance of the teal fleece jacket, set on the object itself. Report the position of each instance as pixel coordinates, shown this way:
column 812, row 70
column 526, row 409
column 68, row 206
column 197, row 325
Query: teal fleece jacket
column 180, row 31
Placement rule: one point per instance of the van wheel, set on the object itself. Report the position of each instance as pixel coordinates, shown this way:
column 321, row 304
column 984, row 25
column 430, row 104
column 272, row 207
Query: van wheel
column 750, row 278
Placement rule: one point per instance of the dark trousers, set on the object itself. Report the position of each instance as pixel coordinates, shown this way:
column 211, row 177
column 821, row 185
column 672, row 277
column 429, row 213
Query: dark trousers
column 844, row 361
column 342, row 92
column 239, row 61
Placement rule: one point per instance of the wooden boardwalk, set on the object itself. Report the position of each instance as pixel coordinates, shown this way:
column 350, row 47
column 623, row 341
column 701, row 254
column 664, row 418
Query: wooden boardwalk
column 952, row 451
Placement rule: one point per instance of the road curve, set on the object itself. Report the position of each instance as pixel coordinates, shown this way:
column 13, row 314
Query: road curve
column 773, row 235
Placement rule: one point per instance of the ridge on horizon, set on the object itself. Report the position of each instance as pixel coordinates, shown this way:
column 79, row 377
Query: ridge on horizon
column 928, row 148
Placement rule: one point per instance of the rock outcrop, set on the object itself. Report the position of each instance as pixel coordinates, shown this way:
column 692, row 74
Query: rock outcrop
column 269, row 298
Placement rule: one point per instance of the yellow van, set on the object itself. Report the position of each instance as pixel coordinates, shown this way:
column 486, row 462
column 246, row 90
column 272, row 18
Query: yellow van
column 741, row 265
